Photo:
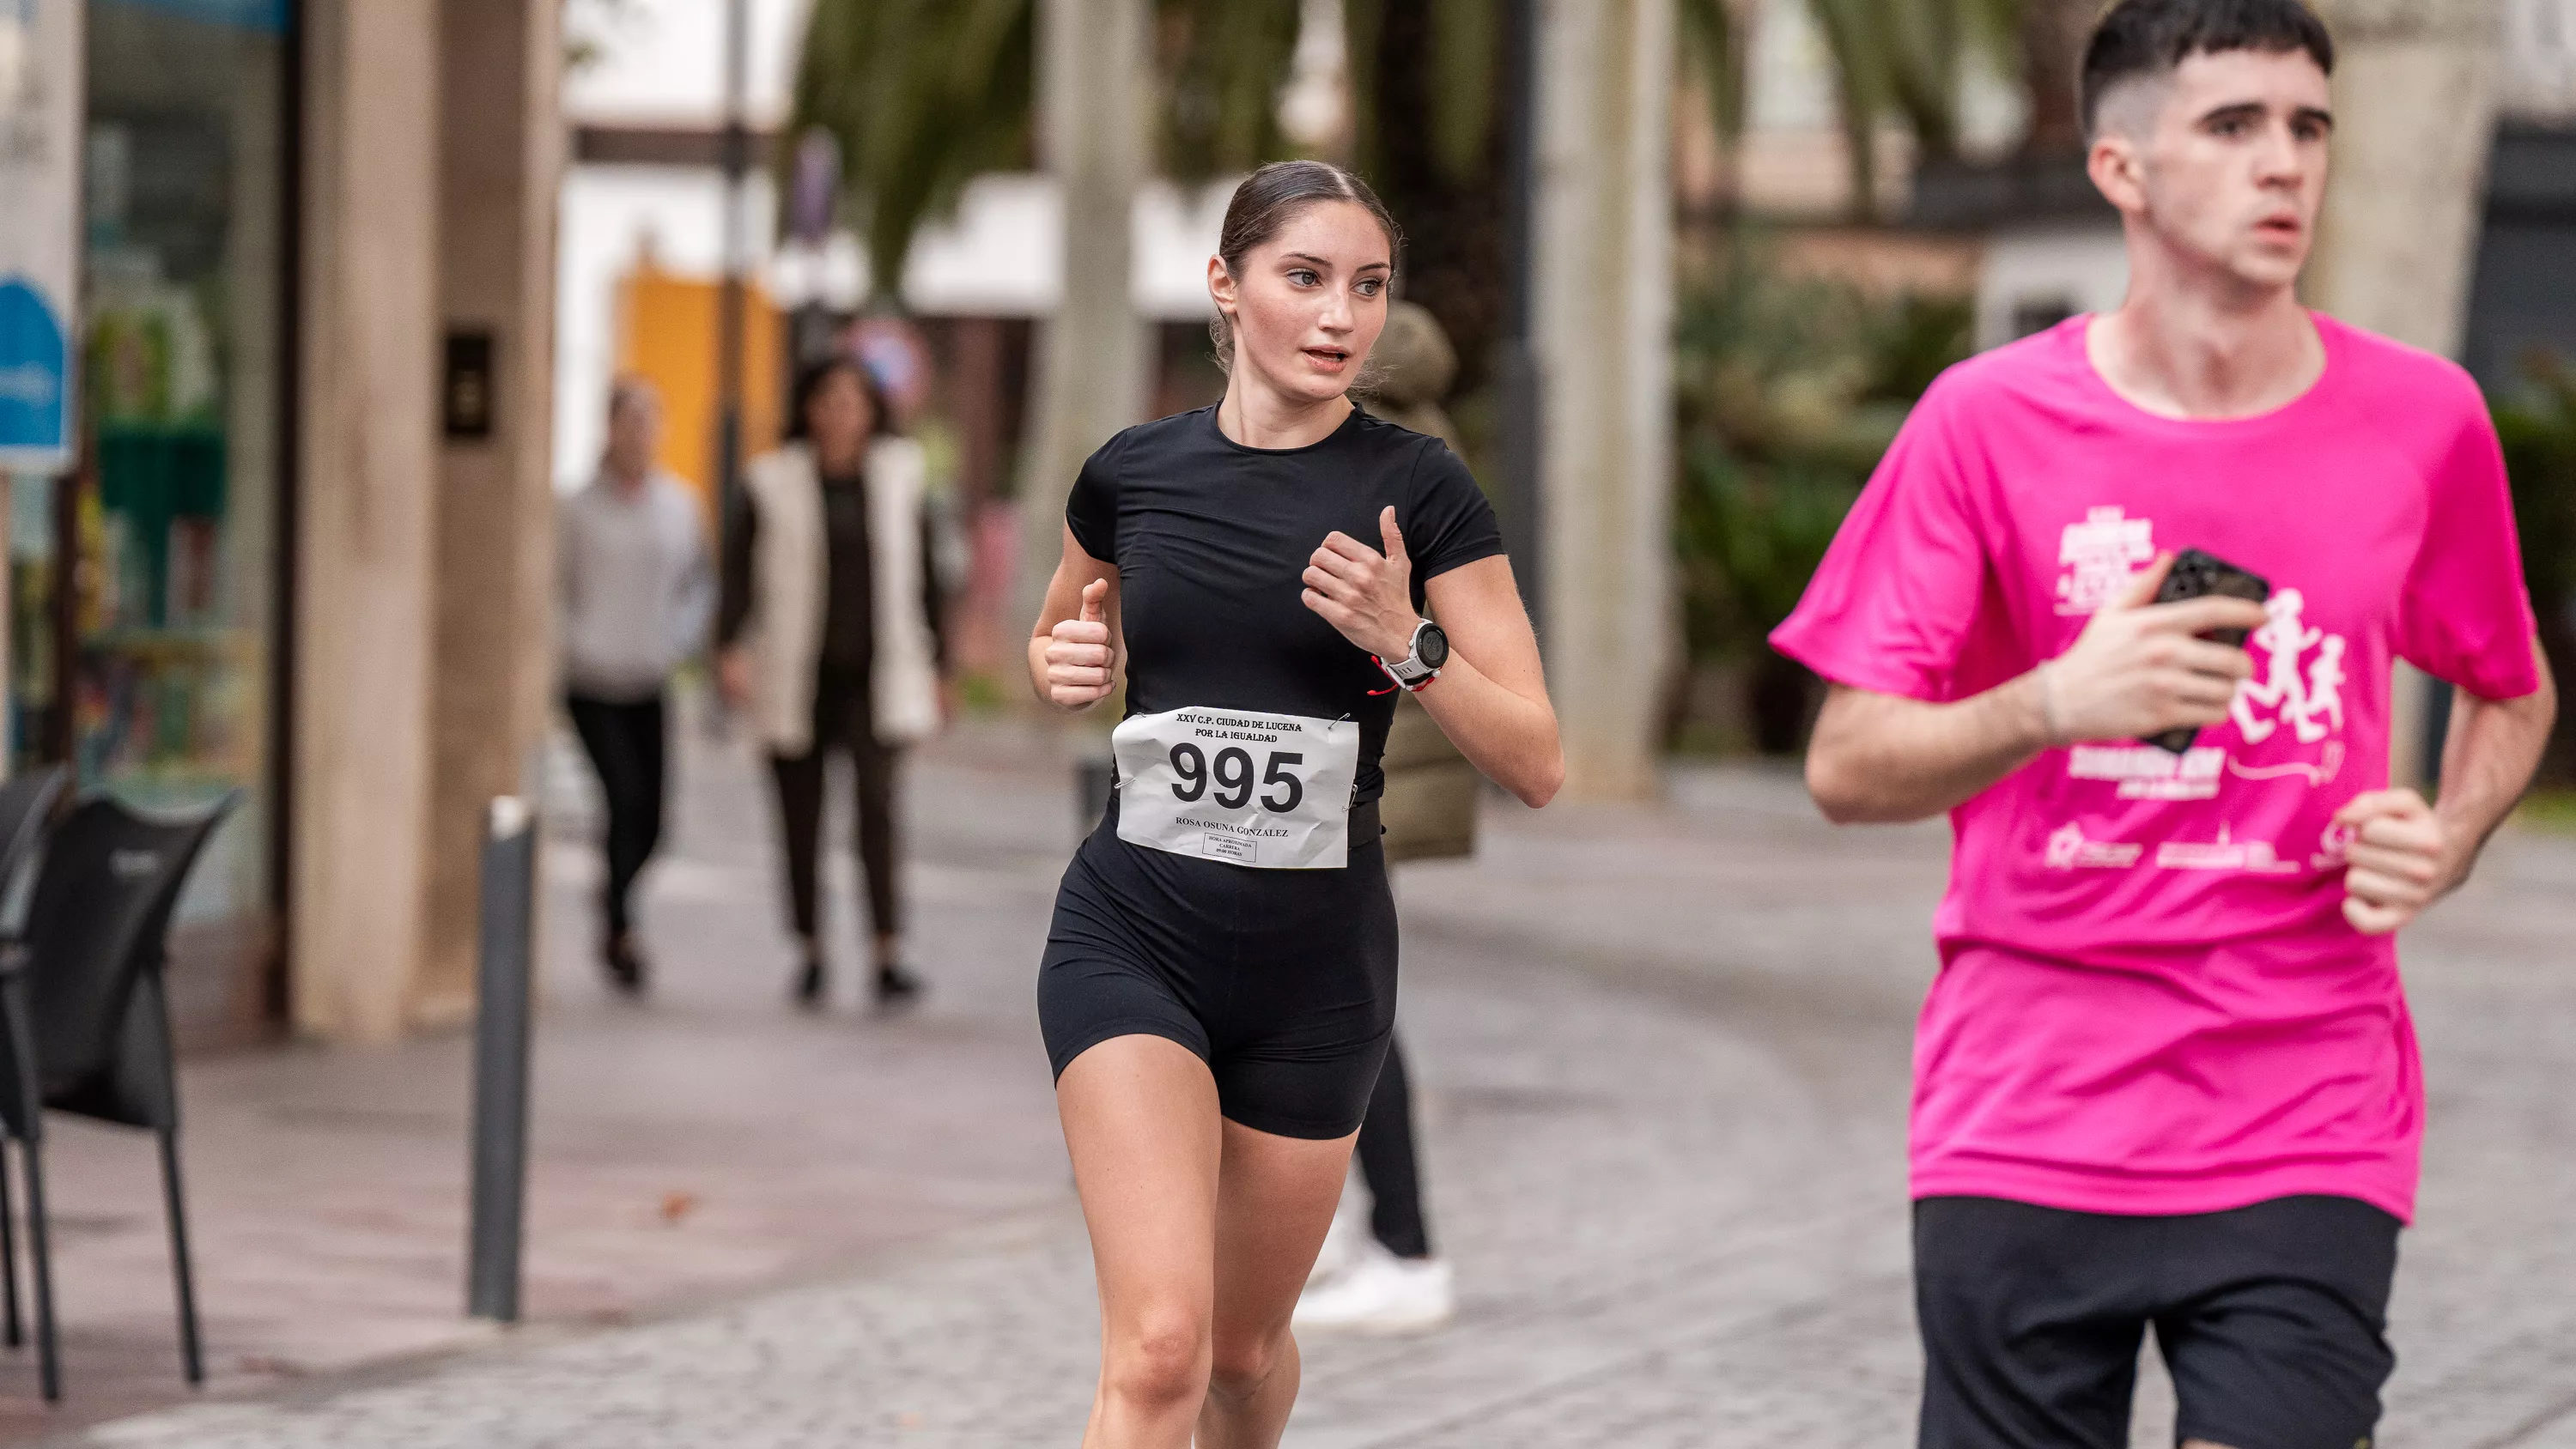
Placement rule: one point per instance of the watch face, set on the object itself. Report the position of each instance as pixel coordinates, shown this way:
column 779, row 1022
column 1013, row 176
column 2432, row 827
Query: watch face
column 1431, row 647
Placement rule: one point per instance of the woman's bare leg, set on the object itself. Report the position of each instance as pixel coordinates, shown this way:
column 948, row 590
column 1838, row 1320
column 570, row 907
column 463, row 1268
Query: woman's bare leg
column 1275, row 1200
column 1202, row 1231
column 1140, row 1119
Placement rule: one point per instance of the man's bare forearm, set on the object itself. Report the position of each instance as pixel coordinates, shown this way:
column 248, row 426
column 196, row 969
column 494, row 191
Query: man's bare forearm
column 2138, row 668
column 1885, row 758
column 2488, row 758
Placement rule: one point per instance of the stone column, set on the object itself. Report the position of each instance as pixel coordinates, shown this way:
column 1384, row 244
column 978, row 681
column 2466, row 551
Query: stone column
column 2414, row 99
column 2414, row 94
column 500, row 149
column 367, row 477
column 1089, row 372
column 1602, row 328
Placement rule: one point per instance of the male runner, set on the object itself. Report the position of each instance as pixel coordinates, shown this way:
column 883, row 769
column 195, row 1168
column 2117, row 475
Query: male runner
column 2166, row 1073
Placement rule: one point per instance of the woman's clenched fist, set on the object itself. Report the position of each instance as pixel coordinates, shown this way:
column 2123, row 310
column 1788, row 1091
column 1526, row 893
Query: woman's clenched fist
column 1078, row 658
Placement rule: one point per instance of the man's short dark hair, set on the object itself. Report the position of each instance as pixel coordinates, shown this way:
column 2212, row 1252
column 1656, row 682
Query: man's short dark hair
column 2152, row 37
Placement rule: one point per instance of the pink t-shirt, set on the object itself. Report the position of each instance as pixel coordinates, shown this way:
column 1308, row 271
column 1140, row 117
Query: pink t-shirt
column 2149, row 1000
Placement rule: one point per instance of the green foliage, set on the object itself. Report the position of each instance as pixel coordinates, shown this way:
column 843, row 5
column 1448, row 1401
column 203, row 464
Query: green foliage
column 2539, row 435
column 1789, row 392
column 1466, row 54
column 2549, row 809
column 1750, row 538
column 1427, row 78
column 1897, row 58
column 1456, row 86
column 923, row 96
column 1225, row 63
column 2538, row 429
column 1713, row 52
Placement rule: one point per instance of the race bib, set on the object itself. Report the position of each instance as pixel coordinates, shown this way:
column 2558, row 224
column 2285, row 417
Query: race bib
column 1265, row 790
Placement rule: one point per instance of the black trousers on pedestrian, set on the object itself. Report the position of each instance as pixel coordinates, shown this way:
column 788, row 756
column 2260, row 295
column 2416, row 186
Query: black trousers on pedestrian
column 1387, row 1161
column 624, row 739
column 844, row 720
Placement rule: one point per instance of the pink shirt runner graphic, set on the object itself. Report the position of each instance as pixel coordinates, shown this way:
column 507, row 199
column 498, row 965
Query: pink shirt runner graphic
column 2149, row 999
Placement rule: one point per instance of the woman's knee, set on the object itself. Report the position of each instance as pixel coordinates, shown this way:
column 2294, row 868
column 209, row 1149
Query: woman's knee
column 1159, row 1359
column 1239, row 1366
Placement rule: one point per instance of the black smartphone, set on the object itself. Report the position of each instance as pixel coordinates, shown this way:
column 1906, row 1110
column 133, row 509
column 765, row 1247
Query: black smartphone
column 2197, row 574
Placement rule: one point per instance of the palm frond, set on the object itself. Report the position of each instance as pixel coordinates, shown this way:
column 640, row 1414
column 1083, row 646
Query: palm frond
column 1466, row 47
column 1923, row 68
column 1904, row 59
column 922, row 95
column 1864, row 66
column 1363, row 36
column 1712, row 50
column 1224, row 63
column 1990, row 25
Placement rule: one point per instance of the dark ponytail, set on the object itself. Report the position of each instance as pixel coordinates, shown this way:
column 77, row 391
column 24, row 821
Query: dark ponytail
column 1266, row 202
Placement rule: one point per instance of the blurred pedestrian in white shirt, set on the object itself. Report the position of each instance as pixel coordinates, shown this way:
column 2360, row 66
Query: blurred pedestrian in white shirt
column 637, row 594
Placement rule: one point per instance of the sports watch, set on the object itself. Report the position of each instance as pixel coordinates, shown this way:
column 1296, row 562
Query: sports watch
column 1430, row 650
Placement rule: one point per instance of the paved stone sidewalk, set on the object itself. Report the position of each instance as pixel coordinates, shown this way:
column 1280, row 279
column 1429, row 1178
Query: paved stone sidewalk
column 1663, row 1058
column 692, row 1146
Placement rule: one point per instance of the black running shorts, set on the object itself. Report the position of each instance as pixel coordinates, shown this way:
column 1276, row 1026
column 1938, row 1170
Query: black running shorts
column 2271, row 1319
column 1282, row 981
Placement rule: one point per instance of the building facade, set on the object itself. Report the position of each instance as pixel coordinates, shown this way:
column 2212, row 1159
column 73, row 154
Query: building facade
column 305, row 551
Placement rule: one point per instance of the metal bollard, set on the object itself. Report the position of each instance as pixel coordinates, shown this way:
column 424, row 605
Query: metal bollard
column 504, row 1004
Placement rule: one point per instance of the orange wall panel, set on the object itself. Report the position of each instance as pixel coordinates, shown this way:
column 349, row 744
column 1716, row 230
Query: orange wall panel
column 666, row 332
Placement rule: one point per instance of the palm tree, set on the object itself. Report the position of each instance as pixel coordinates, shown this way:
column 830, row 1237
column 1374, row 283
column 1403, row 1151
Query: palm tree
column 2049, row 36
column 1222, row 64
column 924, row 95
column 1427, row 131
column 1891, row 58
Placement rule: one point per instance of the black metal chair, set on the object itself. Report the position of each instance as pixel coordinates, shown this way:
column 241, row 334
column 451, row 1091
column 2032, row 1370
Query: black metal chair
column 27, row 805
column 87, row 1019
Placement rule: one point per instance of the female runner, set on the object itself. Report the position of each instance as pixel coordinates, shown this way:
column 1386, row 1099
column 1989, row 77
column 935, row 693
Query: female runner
column 1220, row 977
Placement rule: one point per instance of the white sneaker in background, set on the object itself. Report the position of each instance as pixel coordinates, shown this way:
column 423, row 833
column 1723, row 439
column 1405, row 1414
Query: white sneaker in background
column 1340, row 1253
column 1343, row 1242
column 1381, row 1294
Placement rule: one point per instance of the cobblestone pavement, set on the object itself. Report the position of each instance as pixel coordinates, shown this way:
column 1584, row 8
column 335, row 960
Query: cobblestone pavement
column 1663, row 1061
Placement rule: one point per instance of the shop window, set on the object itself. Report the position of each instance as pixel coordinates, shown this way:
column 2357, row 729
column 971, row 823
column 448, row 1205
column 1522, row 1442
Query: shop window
column 148, row 662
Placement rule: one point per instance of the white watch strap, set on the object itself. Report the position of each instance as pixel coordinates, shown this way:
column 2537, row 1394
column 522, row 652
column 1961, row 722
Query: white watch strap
column 1410, row 669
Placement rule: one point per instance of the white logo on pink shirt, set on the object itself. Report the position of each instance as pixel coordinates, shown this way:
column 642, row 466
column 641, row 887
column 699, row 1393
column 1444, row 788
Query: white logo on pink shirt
column 2150, row 772
column 2310, row 703
column 2297, row 693
column 2069, row 850
column 2334, row 847
column 2099, row 555
column 2320, row 773
column 2224, row 853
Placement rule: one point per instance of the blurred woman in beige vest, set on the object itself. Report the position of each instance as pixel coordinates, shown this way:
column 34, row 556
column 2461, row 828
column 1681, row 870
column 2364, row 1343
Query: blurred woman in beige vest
column 830, row 639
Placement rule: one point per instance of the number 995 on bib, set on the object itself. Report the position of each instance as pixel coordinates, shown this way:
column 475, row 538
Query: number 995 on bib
column 1272, row 791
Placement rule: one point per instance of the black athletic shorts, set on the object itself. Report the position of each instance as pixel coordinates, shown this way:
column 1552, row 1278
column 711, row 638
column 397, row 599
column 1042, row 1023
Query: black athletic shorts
column 1282, row 981
column 2271, row 1319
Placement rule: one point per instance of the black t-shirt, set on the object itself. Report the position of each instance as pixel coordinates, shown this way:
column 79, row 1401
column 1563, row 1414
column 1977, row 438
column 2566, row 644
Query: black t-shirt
column 1211, row 540
column 849, row 591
